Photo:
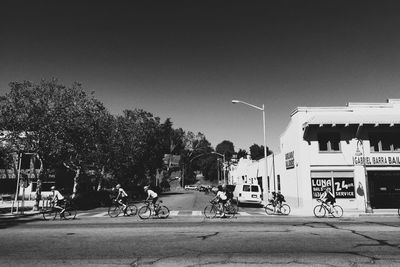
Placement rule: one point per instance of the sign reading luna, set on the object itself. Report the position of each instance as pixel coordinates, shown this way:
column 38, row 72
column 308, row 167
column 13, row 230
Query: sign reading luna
column 289, row 159
column 378, row 160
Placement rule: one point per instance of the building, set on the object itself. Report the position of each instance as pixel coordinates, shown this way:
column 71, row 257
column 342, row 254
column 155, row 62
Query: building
column 354, row 149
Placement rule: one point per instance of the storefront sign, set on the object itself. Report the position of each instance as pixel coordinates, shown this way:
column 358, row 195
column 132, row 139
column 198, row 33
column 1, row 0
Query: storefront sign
column 378, row 160
column 340, row 187
column 317, row 184
column 289, row 158
column 344, row 187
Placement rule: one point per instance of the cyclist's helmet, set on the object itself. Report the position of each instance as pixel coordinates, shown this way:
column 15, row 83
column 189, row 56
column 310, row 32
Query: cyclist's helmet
column 146, row 187
column 53, row 188
column 118, row 186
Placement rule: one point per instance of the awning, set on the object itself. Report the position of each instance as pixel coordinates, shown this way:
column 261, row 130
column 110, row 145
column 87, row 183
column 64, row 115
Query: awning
column 351, row 118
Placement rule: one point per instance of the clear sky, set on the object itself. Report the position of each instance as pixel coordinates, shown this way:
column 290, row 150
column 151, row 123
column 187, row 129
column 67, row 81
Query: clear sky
column 186, row 60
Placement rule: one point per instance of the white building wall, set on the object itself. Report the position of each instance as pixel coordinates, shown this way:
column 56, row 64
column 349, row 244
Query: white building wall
column 296, row 182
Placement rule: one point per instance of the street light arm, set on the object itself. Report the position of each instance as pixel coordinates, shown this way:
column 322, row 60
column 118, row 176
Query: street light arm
column 251, row 105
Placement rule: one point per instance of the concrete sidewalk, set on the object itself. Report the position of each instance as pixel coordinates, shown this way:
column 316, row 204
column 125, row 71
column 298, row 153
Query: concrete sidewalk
column 27, row 210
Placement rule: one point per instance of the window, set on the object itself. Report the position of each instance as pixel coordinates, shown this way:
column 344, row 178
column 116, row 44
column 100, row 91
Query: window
column 254, row 188
column 384, row 141
column 246, row 188
column 279, row 183
column 329, row 142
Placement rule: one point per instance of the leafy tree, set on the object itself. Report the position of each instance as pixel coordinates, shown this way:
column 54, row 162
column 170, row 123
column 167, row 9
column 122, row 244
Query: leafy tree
column 62, row 125
column 242, row 153
column 257, row 152
column 226, row 148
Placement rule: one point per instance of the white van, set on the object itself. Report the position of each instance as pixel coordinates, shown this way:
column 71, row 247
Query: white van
column 247, row 193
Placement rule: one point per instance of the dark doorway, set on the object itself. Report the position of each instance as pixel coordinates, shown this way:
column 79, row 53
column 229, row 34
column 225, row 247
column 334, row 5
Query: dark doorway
column 384, row 187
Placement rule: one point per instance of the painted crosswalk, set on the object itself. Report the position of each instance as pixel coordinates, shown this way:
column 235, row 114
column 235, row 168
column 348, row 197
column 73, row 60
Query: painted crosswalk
column 175, row 213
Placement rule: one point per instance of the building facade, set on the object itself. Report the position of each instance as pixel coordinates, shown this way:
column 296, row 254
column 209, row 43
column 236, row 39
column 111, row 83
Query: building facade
column 354, row 149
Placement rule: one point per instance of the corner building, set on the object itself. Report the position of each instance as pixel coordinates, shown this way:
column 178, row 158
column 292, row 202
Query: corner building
column 353, row 149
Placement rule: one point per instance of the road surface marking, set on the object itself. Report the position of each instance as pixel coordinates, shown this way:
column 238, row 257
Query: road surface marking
column 242, row 213
column 82, row 214
column 100, row 214
column 174, row 212
column 197, row 213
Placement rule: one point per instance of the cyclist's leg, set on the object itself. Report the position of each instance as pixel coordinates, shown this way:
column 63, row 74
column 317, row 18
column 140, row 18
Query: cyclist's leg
column 154, row 202
column 58, row 208
column 124, row 201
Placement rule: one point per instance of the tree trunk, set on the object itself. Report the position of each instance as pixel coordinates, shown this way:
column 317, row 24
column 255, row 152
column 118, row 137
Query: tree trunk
column 99, row 182
column 76, row 179
column 38, row 192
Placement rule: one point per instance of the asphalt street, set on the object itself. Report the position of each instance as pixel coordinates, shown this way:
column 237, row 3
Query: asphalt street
column 196, row 241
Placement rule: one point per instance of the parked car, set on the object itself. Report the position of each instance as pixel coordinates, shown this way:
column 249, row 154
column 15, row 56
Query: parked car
column 247, row 193
column 190, row 187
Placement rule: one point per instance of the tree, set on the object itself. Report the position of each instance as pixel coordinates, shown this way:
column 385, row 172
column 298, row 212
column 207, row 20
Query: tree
column 257, row 152
column 226, row 148
column 62, row 125
column 241, row 154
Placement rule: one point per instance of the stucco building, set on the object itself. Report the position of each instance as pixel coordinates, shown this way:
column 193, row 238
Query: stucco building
column 354, row 149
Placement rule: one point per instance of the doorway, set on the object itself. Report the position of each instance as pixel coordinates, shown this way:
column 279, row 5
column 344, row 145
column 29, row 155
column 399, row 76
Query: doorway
column 384, row 187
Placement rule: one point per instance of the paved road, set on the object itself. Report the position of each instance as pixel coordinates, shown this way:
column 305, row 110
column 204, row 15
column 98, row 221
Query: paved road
column 195, row 241
column 258, row 241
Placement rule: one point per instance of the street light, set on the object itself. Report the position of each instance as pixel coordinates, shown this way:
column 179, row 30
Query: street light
column 223, row 163
column 264, row 185
column 368, row 208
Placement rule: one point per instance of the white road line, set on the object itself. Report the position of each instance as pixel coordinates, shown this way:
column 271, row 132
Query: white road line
column 174, row 212
column 242, row 213
column 100, row 214
column 261, row 213
column 197, row 213
column 82, row 214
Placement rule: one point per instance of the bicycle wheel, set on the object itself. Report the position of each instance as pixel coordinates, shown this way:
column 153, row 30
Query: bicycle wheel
column 49, row 214
column 131, row 210
column 114, row 211
column 230, row 211
column 319, row 211
column 270, row 209
column 144, row 212
column 163, row 212
column 68, row 214
column 337, row 211
column 210, row 211
column 285, row 209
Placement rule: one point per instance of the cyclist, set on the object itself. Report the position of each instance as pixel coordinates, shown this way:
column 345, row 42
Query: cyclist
column 151, row 195
column 327, row 197
column 58, row 200
column 122, row 198
column 222, row 199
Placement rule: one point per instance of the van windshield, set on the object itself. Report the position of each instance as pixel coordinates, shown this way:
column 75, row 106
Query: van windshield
column 254, row 188
column 246, row 188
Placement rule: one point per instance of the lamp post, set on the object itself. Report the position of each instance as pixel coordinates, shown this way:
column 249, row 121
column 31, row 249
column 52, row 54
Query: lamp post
column 368, row 208
column 223, row 164
column 264, row 185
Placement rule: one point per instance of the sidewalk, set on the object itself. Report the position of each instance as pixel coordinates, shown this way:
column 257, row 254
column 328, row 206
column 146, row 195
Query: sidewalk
column 5, row 209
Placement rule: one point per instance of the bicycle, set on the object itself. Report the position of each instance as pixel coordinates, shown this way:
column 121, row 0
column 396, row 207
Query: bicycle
column 159, row 211
column 50, row 211
column 273, row 208
column 321, row 209
column 117, row 208
column 211, row 211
